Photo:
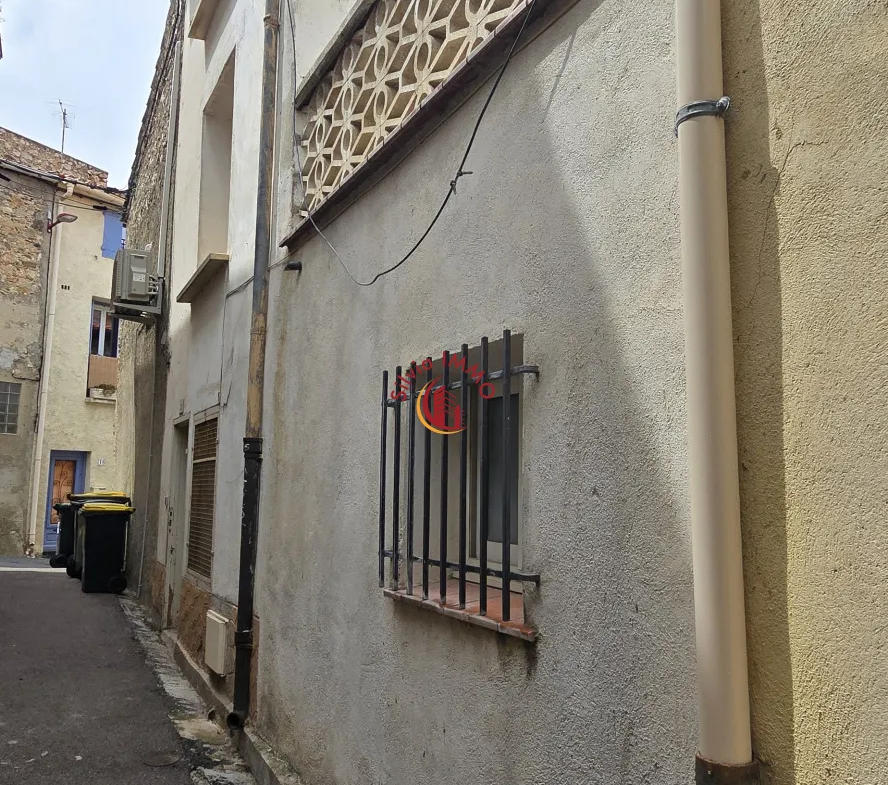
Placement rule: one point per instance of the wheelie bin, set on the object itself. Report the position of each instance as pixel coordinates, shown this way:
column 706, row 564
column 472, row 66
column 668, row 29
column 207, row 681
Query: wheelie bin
column 74, row 563
column 65, row 546
column 101, row 539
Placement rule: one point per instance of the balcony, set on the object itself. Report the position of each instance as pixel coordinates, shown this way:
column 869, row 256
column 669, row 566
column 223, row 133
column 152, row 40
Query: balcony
column 101, row 379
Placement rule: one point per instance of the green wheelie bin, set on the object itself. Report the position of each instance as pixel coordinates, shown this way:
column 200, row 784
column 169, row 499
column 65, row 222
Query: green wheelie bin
column 101, row 539
column 74, row 563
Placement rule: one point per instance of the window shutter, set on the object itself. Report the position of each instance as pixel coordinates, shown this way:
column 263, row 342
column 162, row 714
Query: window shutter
column 203, row 499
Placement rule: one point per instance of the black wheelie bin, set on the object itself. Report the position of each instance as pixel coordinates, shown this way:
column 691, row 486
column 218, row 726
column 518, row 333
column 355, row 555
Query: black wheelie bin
column 65, row 546
column 101, row 539
column 75, row 559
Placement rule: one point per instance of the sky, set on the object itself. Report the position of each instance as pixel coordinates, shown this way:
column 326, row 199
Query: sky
column 97, row 57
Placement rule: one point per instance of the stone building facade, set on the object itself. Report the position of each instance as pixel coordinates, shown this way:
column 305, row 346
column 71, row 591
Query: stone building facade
column 24, row 260
column 79, row 426
column 27, row 152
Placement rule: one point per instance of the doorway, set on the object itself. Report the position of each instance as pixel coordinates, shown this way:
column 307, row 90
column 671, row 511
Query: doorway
column 176, row 512
column 67, row 474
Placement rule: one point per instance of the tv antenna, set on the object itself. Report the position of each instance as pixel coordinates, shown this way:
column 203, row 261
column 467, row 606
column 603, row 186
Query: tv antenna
column 66, row 117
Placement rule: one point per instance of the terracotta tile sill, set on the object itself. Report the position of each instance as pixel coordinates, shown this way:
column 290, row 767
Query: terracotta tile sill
column 515, row 628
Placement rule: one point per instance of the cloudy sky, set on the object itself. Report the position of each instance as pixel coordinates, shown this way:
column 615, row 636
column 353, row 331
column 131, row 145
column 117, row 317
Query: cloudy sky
column 97, row 57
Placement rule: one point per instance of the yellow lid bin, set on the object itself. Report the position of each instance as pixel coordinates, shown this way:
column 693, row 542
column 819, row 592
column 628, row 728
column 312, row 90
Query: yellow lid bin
column 93, row 508
column 100, row 545
column 85, row 497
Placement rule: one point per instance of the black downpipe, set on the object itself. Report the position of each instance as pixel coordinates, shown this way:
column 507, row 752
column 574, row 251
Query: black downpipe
column 243, row 636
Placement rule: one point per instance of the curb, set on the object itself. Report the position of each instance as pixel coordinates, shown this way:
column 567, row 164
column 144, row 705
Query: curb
column 266, row 765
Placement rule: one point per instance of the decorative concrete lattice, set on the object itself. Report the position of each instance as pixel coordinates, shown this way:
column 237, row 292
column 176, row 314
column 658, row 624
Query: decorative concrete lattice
column 406, row 49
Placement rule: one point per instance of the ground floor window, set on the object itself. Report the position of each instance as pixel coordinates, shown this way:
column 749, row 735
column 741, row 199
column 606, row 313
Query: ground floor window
column 203, row 498
column 10, row 396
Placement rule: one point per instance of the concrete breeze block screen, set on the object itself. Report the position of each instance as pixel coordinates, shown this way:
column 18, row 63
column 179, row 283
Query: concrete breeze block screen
column 405, row 50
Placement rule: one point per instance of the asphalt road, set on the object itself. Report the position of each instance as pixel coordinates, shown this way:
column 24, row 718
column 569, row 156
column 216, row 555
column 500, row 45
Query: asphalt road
column 78, row 703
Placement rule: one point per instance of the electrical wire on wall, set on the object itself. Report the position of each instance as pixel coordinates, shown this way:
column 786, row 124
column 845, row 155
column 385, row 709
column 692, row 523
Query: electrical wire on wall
column 460, row 171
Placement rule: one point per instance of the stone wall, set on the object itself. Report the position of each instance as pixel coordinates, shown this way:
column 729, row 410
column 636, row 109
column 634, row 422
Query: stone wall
column 144, row 349
column 24, row 258
column 27, row 152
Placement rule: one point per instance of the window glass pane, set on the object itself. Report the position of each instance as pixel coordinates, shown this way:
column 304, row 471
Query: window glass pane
column 111, row 326
column 96, row 331
column 497, row 468
column 10, row 393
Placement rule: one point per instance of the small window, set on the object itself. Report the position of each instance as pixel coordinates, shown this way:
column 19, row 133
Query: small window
column 203, row 499
column 103, row 331
column 10, row 395
column 112, row 235
column 450, row 465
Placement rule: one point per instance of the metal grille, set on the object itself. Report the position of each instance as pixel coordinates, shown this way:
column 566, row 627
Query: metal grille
column 450, row 409
column 205, row 440
column 10, row 393
column 203, row 499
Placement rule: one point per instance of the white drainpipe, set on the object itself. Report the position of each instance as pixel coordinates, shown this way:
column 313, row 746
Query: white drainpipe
column 37, row 480
column 725, row 748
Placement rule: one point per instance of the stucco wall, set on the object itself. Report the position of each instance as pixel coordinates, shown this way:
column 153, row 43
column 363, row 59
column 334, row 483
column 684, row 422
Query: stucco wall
column 567, row 232
column 806, row 150
column 209, row 339
column 24, row 255
column 74, row 422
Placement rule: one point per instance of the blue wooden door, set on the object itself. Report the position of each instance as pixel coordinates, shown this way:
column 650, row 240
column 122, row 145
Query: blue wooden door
column 66, row 475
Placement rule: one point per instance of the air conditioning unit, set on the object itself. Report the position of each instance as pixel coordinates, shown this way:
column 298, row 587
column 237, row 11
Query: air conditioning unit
column 136, row 287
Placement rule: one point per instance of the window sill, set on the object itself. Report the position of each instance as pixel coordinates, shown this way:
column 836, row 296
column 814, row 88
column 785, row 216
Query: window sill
column 105, row 401
column 492, row 621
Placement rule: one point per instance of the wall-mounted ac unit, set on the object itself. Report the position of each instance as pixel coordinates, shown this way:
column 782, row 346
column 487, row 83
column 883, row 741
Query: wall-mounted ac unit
column 136, row 287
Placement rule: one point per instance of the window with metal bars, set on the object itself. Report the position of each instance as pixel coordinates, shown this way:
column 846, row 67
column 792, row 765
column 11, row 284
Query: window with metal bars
column 203, row 498
column 449, row 489
column 10, row 396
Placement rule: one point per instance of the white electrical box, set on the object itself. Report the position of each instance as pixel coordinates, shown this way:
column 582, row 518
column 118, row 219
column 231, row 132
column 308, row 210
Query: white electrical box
column 216, row 642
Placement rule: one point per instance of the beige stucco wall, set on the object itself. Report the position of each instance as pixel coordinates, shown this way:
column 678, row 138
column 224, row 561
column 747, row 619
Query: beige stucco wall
column 807, row 148
column 209, row 339
column 72, row 421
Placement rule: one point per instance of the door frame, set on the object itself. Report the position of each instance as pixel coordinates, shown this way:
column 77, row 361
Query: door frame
column 177, row 504
column 80, row 459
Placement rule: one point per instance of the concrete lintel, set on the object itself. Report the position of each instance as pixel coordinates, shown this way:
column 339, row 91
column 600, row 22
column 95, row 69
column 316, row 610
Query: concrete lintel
column 203, row 18
column 208, row 269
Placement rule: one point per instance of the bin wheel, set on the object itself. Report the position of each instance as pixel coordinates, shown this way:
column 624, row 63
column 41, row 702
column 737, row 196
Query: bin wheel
column 73, row 572
column 58, row 561
column 117, row 584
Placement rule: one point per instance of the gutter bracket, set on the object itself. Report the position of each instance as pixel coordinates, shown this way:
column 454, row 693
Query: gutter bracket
column 253, row 446
column 709, row 772
column 701, row 109
column 243, row 639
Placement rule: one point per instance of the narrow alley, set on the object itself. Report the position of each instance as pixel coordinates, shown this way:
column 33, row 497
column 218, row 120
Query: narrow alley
column 443, row 392
column 80, row 703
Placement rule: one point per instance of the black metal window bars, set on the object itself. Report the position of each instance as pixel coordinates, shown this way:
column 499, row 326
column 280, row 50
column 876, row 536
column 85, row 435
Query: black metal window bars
column 467, row 378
